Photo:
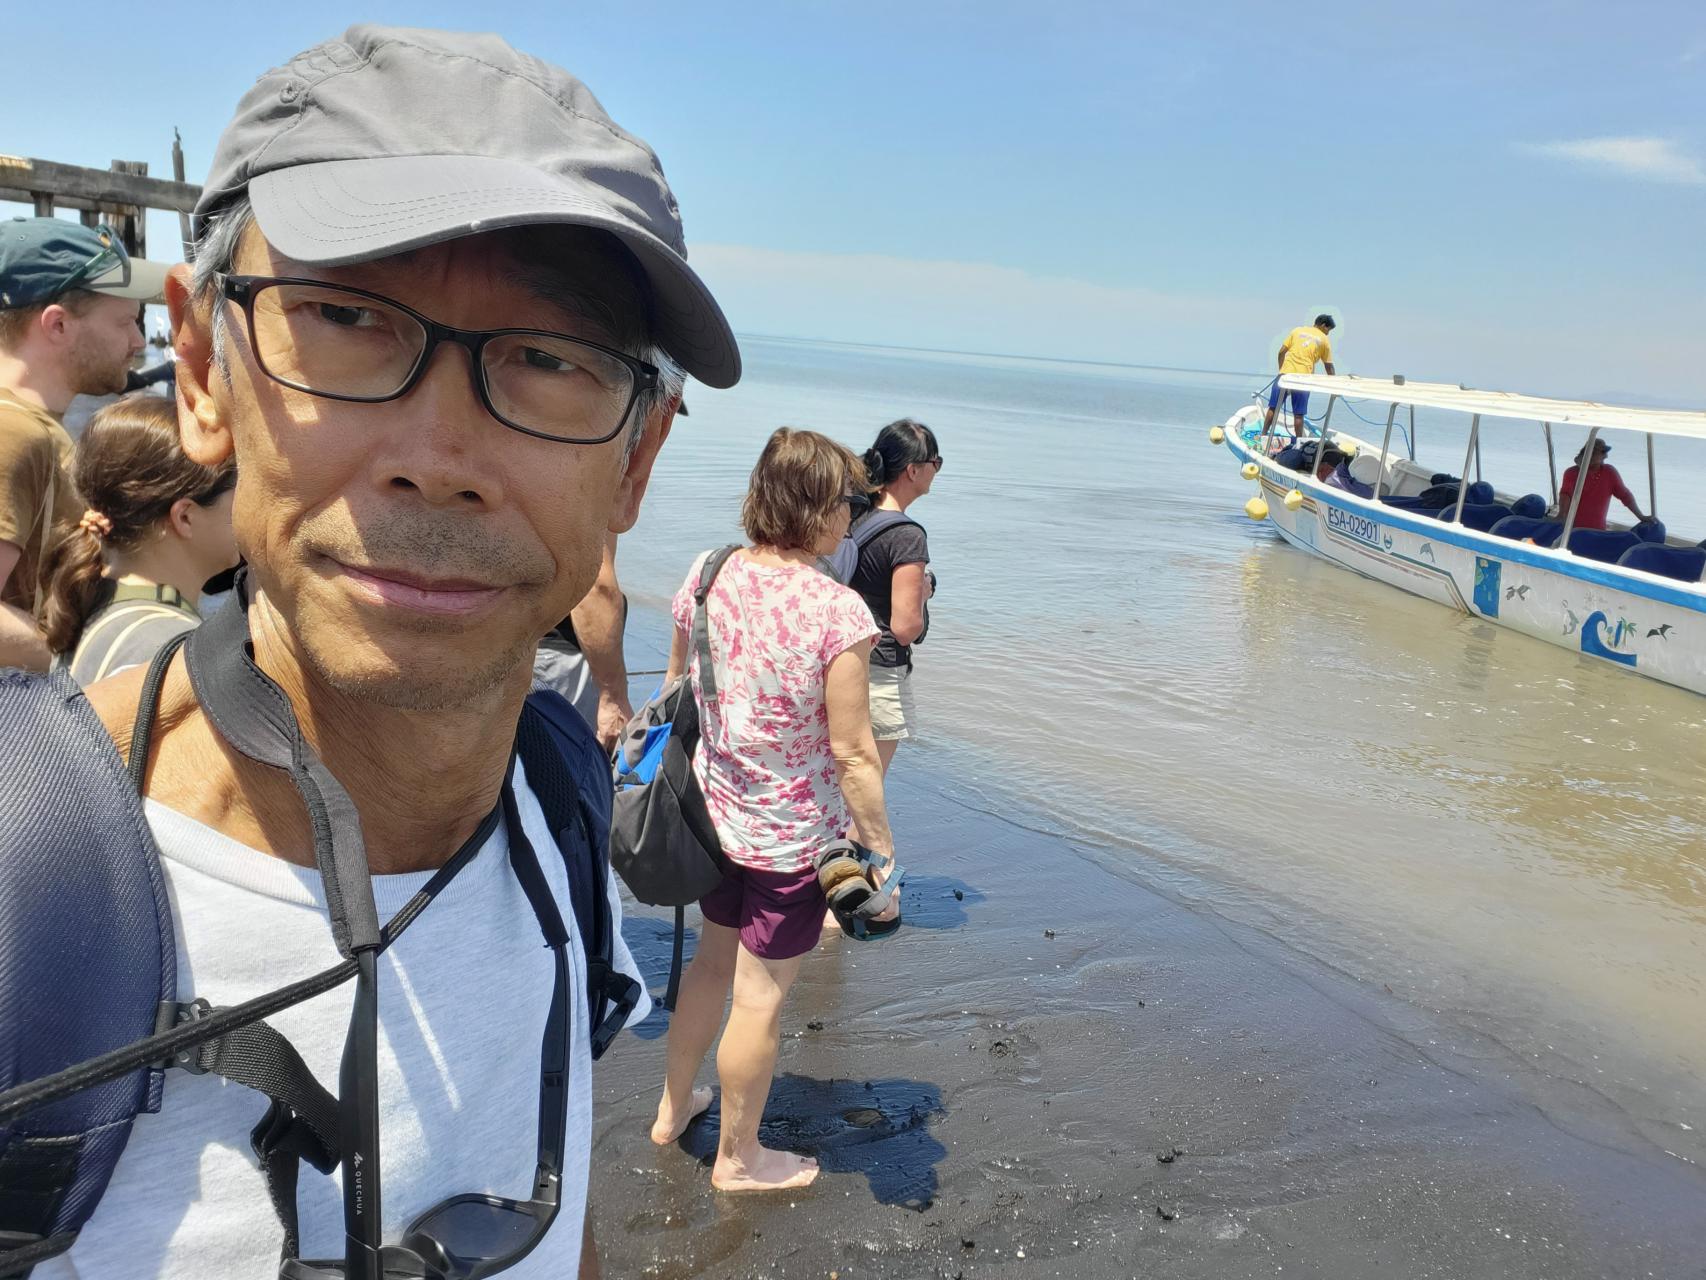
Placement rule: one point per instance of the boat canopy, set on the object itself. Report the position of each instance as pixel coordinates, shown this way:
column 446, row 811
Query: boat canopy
column 1503, row 404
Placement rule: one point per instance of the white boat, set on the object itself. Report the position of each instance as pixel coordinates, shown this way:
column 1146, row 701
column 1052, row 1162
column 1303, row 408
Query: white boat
column 1620, row 596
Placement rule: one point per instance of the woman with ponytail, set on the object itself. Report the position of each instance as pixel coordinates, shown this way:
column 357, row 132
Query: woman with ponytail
column 127, row 576
column 892, row 574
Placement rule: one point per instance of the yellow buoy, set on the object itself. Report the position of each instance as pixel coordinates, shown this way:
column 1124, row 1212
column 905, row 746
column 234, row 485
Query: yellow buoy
column 1256, row 509
column 1294, row 500
column 1249, row 471
column 1216, row 435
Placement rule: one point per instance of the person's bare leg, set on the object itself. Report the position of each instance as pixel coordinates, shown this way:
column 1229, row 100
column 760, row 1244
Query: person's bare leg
column 746, row 1062
column 886, row 747
column 698, row 1013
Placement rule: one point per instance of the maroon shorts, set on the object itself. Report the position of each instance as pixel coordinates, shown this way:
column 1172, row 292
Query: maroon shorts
column 779, row 913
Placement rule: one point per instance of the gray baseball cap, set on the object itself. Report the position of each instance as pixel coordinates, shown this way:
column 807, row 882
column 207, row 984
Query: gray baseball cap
column 390, row 138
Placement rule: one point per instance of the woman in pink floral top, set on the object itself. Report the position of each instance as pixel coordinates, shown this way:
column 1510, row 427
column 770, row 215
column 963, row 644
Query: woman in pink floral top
column 788, row 763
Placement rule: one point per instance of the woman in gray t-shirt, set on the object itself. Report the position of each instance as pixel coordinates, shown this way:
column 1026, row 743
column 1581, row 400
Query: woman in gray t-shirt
column 893, row 574
column 127, row 576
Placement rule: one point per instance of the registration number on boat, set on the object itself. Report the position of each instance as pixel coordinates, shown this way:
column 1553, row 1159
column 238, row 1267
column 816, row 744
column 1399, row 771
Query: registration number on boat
column 1353, row 526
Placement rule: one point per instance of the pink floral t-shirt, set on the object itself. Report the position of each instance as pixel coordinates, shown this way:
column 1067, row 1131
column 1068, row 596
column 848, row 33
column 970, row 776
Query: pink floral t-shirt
column 764, row 761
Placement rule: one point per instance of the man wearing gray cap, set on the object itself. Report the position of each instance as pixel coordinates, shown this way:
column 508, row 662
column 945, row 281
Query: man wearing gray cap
column 68, row 327
column 440, row 314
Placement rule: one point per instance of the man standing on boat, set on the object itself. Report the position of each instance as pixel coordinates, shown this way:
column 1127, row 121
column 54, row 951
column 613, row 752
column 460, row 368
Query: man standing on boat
column 1601, row 486
column 1303, row 349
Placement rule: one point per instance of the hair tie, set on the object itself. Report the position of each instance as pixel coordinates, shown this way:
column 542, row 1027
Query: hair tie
column 96, row 525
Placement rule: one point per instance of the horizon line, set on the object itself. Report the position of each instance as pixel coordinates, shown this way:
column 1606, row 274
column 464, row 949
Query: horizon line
column 996, row 355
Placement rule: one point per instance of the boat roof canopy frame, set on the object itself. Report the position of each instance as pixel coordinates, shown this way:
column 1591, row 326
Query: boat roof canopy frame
column 1581, row 414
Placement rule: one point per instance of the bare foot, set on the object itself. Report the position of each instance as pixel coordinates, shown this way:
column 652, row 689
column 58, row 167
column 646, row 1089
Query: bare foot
column 768, row 1171
column 667, row 1128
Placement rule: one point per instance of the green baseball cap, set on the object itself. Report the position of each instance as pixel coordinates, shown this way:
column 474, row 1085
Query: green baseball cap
column 41, row 258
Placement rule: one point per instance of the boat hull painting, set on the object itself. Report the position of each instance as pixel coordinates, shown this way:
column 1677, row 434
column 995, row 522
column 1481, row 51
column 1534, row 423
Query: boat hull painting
column 1640, row 622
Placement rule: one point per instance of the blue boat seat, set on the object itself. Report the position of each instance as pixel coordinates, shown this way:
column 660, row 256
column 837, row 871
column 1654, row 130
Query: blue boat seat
column 1542, row 532
column 1478, row 515
column 1606, row 545
column 1531, row 505
column 1685, row 564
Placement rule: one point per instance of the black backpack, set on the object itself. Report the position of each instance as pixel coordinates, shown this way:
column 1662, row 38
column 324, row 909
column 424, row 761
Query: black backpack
column 662, row 840
column 89, row 1016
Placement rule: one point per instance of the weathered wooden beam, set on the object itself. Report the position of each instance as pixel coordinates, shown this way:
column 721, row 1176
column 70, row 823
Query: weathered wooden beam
column 46, row 204
column 77, row 187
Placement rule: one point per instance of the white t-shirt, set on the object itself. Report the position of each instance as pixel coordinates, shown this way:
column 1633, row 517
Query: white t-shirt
column 463, row 997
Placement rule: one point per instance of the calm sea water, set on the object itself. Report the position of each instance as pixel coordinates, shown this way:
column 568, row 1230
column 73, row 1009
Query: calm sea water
column 1490, row 827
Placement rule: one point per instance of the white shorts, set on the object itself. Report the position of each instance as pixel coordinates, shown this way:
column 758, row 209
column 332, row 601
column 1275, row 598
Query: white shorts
column 893, row 715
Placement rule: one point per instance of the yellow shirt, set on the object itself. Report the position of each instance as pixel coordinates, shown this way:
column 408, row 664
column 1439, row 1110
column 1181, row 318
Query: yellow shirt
column 1303, row 348
column 35, row 490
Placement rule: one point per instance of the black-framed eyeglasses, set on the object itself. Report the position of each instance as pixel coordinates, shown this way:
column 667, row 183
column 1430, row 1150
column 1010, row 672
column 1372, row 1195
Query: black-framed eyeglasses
column 350, row 344
column 935, row 462
column 466, row 1237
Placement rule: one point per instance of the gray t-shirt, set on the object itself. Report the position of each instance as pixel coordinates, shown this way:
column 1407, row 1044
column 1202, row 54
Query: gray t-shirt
column 895, row 546
column 125, row 633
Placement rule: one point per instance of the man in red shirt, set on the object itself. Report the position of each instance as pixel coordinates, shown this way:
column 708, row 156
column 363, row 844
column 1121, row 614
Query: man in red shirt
column 1601, row 486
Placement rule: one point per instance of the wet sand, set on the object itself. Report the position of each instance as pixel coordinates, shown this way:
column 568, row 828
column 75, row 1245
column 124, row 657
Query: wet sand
column 1148, row 1091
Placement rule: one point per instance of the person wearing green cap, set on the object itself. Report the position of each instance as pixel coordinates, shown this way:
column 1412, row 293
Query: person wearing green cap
column 69, row 298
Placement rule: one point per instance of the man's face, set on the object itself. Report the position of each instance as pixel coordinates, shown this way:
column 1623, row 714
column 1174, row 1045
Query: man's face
column 103, row 340
column 414, row 551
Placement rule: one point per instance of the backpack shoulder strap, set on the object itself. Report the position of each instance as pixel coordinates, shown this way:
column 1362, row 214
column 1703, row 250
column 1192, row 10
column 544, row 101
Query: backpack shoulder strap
column 87, row 957
column 700, row 641
column 568, row 773
column 879, row 522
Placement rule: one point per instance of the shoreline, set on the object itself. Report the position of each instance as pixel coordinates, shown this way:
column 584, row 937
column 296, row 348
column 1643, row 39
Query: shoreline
column 997, row 1089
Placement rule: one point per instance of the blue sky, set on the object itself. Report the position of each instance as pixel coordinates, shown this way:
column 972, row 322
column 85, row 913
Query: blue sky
column 1509, row 195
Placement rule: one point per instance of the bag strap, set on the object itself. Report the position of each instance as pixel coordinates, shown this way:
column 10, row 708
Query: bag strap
column 879, row 522
column 550, row 733
column 700, row 640
column 46, row 540
column 252, row 713
column 676, row 945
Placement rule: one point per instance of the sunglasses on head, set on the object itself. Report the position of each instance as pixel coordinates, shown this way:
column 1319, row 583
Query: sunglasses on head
column 110, row 255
